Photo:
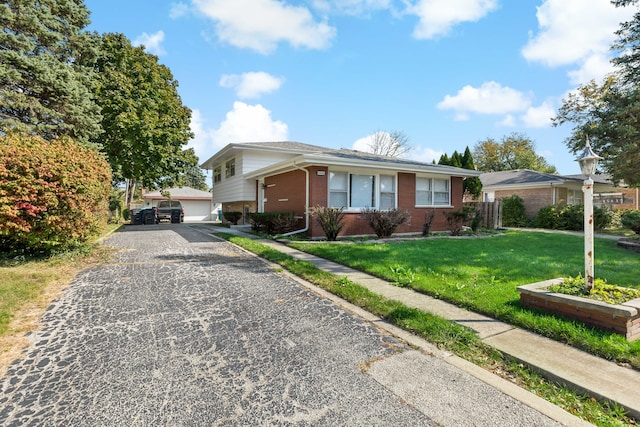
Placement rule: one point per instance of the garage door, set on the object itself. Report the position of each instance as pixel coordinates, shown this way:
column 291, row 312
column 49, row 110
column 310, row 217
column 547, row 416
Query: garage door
column 196, row 210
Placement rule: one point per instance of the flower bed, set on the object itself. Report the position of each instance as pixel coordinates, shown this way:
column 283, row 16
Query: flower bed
column 623, row 319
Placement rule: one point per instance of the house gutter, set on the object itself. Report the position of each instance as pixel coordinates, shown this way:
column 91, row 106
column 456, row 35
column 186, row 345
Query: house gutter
column 306, row 203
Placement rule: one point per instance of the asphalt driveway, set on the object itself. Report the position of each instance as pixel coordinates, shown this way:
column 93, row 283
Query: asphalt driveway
column 181, row 329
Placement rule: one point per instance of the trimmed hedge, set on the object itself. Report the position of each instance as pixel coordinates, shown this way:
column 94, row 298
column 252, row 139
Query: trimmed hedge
column 53, row 194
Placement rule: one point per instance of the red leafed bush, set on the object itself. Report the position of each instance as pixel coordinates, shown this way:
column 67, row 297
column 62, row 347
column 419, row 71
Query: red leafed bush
column 53, row 194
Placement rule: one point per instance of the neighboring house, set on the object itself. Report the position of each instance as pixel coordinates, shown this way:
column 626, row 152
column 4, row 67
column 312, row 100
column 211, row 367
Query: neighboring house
column 291, row 176
column 198, row 205
column 539, row 189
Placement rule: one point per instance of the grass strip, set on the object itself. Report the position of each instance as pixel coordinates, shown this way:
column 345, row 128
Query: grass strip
column 445, row 334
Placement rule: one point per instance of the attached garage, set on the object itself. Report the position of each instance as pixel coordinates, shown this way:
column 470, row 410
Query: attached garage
column 197, row 204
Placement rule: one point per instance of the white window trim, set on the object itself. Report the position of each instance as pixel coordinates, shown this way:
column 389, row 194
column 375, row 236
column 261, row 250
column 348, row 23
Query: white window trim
column 377, row 182
column 434, row 205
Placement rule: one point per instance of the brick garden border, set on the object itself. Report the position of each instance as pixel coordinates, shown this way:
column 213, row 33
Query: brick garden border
column 623, row 319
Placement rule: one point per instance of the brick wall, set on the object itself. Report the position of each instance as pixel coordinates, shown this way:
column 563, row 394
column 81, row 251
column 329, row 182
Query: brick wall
column 354, row 223
column 535, row 198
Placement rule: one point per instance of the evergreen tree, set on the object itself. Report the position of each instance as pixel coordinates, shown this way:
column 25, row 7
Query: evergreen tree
column 45, row 79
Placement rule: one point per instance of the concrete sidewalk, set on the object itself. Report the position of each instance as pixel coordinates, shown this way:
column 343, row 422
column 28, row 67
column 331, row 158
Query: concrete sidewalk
column 565, row 364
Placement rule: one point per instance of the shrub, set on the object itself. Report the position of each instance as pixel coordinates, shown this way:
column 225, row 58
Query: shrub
column 458, row 219
column 126, row 214
column 602, row 217
column 631, row 220
column 384, row 223
column 547, row 217
column 513, row 212
column 53, row 194
column 273, row 222
column 330, row 219
column 232, row 216
column 571, row 218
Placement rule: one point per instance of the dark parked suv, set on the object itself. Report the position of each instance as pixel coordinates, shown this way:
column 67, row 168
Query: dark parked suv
column 171, row 210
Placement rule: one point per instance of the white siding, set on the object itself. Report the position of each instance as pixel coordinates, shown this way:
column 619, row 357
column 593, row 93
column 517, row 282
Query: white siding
column 252, row 161
column 236, row 189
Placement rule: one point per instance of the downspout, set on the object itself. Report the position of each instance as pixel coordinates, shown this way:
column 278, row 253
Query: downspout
column 306, row 203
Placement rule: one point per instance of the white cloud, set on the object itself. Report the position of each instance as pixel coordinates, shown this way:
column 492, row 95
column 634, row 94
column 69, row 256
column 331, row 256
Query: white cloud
column 576, row 32
column 490, row 98
column 202, row 142
column 178, row 10
column 539, row 117
column 363, row 144
column 245, row 123
column 595, row 67
column 425, row 154
column 350, row 7
column 508, row 121
column 261, row 24
column 249, row 123
column 437, row 17
column 252, row 84
column 151, row 42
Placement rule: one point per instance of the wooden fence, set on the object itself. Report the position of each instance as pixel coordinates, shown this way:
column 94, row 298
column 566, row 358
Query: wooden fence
column 491, row 213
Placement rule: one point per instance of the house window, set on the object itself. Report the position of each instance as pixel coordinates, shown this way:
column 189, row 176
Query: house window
column 357, row 191
column 574, row 197
column 230, row 168
column 432, row 192
column 387, row 192
column 217, row 174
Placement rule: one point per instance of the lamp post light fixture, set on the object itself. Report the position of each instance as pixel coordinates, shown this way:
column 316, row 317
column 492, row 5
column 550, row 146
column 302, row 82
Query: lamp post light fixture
column 588, row 162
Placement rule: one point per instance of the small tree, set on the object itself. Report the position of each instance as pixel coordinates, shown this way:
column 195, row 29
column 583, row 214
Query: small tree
column 384, row 223
column 330, row 219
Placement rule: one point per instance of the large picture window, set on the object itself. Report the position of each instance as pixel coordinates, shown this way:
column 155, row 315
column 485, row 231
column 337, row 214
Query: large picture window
column 358, row 191
column 432, row 192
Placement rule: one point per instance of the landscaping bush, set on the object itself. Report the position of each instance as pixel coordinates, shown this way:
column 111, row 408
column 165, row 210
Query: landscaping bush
column 330, row 219
column 53, row 194
column 232, row 216
column 513, row 212
column 571, row 217
column 273, row 222
column 384, row 223
column 631, row 220
column 458, row 219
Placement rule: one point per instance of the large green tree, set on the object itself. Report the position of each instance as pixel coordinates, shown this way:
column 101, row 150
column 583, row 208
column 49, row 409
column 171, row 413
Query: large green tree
column 44, row 75
column 608, row 113
column 146, row 126
column 514, row 151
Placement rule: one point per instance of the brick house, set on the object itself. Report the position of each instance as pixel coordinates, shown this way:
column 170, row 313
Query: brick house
column 291, row 176
column 539, row 190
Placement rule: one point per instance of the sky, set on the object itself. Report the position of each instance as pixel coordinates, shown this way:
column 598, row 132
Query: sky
column 446, row 73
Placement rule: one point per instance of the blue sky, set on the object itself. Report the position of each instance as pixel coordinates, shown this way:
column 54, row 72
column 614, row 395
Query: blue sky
column 447, row 73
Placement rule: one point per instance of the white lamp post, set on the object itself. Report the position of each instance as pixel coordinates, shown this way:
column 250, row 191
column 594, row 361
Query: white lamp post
column 588, row 163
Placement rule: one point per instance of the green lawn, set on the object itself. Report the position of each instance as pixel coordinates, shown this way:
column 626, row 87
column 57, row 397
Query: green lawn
column 482, row 274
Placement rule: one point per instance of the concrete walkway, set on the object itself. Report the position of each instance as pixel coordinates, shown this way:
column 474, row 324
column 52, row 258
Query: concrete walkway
column 577, row 369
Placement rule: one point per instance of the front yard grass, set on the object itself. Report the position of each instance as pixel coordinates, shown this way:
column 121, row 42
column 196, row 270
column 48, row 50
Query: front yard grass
column 481, row 274
column 445, row 334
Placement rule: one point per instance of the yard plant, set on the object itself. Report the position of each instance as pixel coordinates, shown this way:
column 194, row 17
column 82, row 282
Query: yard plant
column 481, row 274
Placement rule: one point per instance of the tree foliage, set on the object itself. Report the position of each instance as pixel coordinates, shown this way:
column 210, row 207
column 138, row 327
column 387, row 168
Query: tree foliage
column 44, row 75
column 514, row 151
column 145, row 123
column 53, row 194
column 607, row 112
column 471, row 185
column 390, row 144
